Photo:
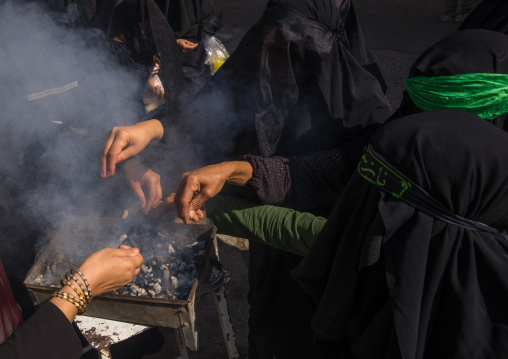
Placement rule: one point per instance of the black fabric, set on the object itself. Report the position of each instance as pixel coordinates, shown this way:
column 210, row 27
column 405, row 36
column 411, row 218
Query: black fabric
column 392, row 281
column 46, row 334
column 188, row 19
column 488, row 14
column 291, row 87
column 290, row 81
column 461, row 52
column 145, row 41
column 305, row 182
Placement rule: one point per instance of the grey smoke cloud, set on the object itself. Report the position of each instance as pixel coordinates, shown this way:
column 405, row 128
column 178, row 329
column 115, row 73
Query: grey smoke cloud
column 60, row 92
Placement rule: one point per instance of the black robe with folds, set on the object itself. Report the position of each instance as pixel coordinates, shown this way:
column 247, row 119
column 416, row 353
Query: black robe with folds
column 188, row 19
column 393, row 281
column 488, row 14
column 146, row 31
column 46, row 334
column 292, row 86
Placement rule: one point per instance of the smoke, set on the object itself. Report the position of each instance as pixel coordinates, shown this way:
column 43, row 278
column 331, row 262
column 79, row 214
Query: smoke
column 61, row 90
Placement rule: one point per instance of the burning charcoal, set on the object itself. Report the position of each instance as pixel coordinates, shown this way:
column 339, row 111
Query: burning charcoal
column 174, row 281
column 171, row 249
column 134, row 289
column 151, row 292
column 144, row 268
column 166, row 275
column 157, row 288
column 38, row 280
column 141, row 292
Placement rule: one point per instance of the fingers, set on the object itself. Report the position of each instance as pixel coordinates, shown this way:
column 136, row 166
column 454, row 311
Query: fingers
column 195, row 206
column 117, row 140
column 183, row 197
column 136, row 186
column 154, row 191
column 104, row 153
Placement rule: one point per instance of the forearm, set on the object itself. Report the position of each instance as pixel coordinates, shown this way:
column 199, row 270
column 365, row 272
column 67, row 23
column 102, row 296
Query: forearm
column 303, row 182
column 279, row 227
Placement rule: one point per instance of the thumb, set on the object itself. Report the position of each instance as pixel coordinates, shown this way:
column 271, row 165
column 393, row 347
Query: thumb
column 197, row 202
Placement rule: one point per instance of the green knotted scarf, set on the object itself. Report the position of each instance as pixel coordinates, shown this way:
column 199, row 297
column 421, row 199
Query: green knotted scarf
column 485, row 95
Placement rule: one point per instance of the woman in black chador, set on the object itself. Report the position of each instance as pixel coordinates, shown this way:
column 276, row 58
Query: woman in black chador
column 138, row 33
column 298, row 82
column 412, row 262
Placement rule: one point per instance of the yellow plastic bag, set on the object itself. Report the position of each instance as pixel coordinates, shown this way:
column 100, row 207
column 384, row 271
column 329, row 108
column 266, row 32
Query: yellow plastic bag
column 216, row 53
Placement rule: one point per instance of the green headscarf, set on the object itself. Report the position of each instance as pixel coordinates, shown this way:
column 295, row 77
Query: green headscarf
column 485, row 95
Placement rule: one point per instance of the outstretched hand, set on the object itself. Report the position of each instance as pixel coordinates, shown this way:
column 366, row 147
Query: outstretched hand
column 186, row 45
column 125, row 142
column 198, row 186
column 110, row 269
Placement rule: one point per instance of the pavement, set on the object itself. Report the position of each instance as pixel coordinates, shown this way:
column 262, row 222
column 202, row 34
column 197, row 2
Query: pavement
column 396, row 31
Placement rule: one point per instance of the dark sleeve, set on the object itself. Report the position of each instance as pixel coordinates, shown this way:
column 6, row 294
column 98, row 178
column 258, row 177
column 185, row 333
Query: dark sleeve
column 46, row 334
column 211, row 16
column 304, row 182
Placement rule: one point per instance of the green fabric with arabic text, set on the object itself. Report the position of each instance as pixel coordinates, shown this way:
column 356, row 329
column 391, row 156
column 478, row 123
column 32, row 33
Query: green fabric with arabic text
column 485, row 95
column 279, row 227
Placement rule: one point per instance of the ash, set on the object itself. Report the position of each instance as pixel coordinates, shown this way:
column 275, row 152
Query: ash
column 171, row 263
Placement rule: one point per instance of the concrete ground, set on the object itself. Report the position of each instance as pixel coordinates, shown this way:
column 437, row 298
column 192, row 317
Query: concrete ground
column 396, row 31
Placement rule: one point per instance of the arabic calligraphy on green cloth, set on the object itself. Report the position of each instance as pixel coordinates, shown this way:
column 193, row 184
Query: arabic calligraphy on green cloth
column 377, row 172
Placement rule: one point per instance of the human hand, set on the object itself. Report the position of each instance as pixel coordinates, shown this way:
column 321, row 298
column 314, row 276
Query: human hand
column 140, row 176
column 186, row 45
column 198, row 186
column 154, row 84
column 126, row 141
column 167, row 205
column 109, row 269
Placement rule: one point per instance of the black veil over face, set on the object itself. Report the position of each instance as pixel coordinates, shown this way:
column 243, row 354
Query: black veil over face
column 296, row 46
column 392, row 281
column 461, row 52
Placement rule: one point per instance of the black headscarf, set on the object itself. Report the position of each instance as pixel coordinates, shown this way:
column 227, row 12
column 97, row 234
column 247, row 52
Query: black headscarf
column 393, row 281
column 488, row 14
column 297, row 55
column 157, row 31
column 461, row 52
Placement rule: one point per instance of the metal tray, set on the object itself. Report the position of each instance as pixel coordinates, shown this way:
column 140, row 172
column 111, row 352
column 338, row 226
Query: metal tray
column 172, row 313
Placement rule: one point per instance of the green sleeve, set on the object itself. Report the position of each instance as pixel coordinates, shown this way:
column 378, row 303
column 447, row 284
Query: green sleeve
column 279, row 227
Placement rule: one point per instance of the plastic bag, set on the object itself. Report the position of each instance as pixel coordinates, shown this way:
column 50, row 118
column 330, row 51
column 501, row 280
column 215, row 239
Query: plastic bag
column 216, row 53
column 150, row 99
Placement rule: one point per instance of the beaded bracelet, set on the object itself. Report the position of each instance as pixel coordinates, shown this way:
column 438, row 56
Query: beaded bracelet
column 79, row 304
column 69, row 276
column 74, row 271
column 81, row 296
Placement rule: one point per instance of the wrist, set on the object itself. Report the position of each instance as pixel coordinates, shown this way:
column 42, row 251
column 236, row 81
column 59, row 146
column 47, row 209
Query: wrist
column 67, row 308
column 240, row 173
column 154, row 130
